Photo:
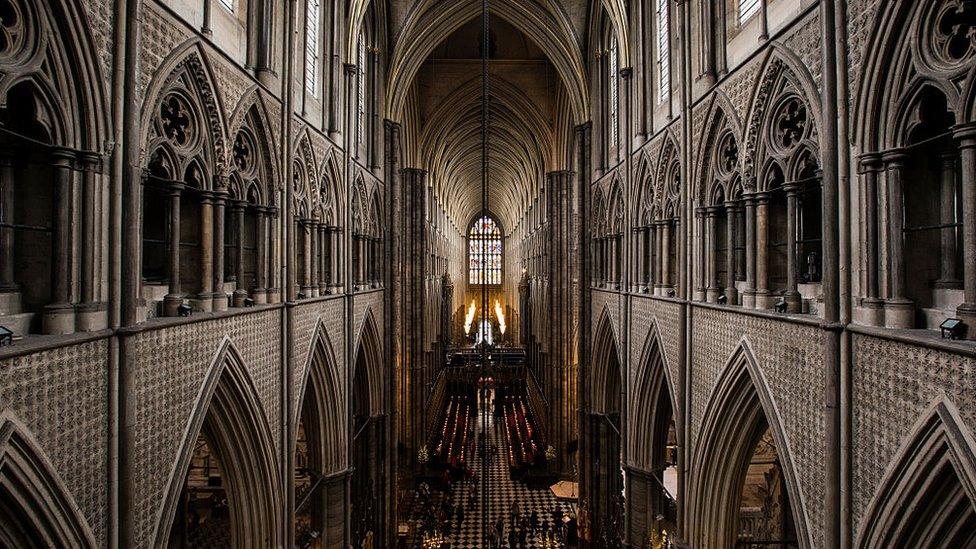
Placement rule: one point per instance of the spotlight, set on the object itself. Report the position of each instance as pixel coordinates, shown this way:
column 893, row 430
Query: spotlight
column 672, row 292
column 301, row 295
column 6, row 336
column 184, row 310
column 781, row 305
column 952, row 328
column 248, row 302
column 723, row 300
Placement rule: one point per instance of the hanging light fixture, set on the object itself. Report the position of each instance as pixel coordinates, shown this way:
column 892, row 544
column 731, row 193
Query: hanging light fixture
column 483, row 394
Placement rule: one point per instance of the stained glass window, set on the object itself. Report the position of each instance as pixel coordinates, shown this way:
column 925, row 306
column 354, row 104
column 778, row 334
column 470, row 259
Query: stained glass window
column 228, row 5
column 312, row 46
column 663, row 49
column 361, row 91
column 485, row 253
column 748, row 8
column 614, row 91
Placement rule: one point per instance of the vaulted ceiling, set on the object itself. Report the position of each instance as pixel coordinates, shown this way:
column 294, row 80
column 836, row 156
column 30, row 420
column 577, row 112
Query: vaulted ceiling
column 538, row 91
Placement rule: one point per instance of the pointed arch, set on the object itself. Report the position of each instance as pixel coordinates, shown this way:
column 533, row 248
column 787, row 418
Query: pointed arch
column 252, row 113
column 36, row 509
column 369, row 347
column 429, row 22
column 606, row 364
column 323, row 381
column 739, row 411
column 653, row 381
column 928, row 495
column 228, row 411
column 721, row 121
column 188, row 68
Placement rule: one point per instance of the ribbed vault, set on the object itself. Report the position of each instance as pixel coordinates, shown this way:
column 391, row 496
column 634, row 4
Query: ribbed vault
column 430, row 22
column 521, row 144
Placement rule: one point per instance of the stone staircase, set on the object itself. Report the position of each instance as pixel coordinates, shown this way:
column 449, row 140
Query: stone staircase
column 12, row 315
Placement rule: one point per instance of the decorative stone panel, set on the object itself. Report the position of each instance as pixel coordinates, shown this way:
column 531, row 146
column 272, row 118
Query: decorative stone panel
column 306, row 320
column 893, row 384
column 170, row 367
column 790, row 357
column 160, row 36
column 61, row 395
column 667, row 314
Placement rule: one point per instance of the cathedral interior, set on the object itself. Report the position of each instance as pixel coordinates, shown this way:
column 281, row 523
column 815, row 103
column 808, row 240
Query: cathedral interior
column 488, row 273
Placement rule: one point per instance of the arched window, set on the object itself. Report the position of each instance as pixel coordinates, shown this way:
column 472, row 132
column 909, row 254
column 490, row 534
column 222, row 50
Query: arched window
column 663, row 49
column 312, row 23
column 361, row 92
column 228, row 4
column 745, row 9
column 613, row 88
column 484, row 252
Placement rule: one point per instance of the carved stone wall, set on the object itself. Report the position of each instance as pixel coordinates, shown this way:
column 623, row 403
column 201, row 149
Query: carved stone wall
column 171, row 365
column 893, row 384
column 790, row 357
column 61, row 395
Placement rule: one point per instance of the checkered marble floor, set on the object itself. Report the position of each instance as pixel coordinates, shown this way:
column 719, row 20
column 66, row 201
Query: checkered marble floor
column 503, row 492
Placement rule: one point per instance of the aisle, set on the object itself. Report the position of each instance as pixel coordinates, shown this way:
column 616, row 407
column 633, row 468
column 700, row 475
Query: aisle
column 503, row 492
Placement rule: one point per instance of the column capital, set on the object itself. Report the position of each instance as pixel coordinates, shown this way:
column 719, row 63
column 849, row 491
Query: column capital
column 894, row 158
column 870, row 162
column 61, row 156
column 351, row 69
column 965, row 134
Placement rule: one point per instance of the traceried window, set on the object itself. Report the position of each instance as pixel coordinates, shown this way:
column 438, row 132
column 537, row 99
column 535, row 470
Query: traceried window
column 312, row 19
column 614, row 106
column 484, row 253
column 745, row 9
column 228, row 5
column 663, row 49
column 361, row 91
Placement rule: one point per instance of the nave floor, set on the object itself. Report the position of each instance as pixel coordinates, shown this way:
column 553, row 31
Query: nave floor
column 503, row 492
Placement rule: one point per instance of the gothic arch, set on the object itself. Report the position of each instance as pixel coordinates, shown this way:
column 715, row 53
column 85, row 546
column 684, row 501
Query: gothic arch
column 187, row 75
column 928, row 495
column 783, row 78
column 899, row 56
column 722, row 124
column 605, row 355
column 653, row 380
column 331, row 201
column 66, row 70
column 324, row 382
column 228, row 409
column 251, row 115
column 304, row 174
column 369, row 346
column 739, row 410
column 36, row 509
column 429, row 22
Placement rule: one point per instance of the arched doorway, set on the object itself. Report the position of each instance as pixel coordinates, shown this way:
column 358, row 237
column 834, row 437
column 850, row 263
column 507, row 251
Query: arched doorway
column 926, row 499
column 652, row 451
column 369, row 483
column 743, row 490
column 226, row 489
column 320, row 452
column 602, row 505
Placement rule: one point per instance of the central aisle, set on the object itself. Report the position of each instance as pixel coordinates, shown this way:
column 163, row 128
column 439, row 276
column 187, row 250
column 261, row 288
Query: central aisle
column 503, row 494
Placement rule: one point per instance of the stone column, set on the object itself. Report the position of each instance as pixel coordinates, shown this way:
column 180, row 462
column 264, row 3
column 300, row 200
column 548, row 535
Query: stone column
column 762, row 251
column 272, row 269
column 899, row 310
column 305, row 229
column 313, row 237
column 731, row 214
column 263, row 221
column 240, row 293
column 59, row 315
column 174, row 298
column 700, row 271
column 335, row 280
column 323, row 259
column 749, row 294
column 205, row 298
column 220, row 296
column 872, row 304
column 8, row 282
column 712, row 291
column 948, row 276
column 666, row 281
column 793, row 301
column 966, row 136
column 88, row 226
